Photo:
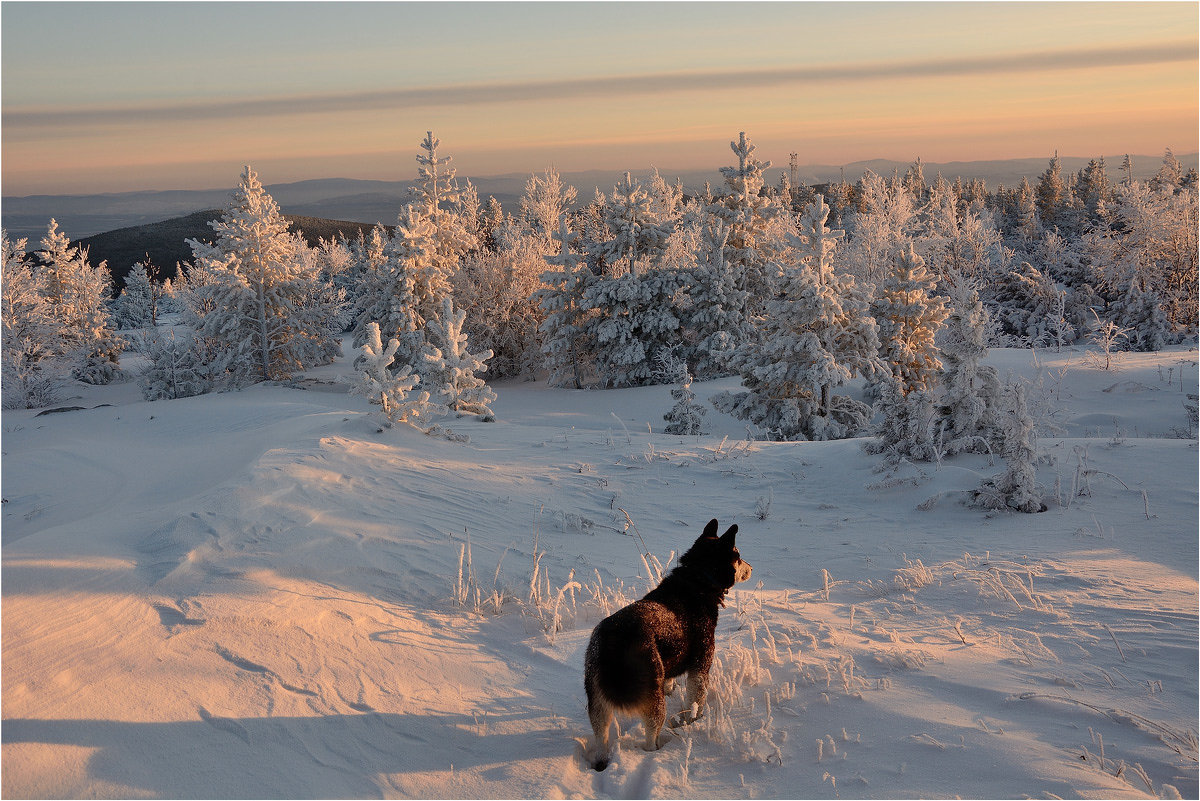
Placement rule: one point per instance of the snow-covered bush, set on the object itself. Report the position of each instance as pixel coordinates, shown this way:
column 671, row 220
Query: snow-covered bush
column 566, row 347
column 908, row 429
column 137, row 305
column 909, row 315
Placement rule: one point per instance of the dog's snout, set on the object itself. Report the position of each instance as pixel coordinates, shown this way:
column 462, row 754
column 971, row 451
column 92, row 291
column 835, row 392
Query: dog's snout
column 741, row 571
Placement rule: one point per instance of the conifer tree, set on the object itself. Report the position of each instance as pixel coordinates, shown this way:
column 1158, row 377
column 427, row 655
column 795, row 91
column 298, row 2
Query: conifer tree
column 635, row 231
column 633, row 316
column 748, row 212
column 1016, row 488
column 545, row 201
column 1051, row 194
column 393, row 391
column 441, row 202
column 29, row 333
column 909, row 315
column 262, row 305
column 566, row 346
column 1141, row 314
column 449, row 369
column 177, row 367
column 972, row 389
column 686, row 417
column 137, row 305
column 718, row 318
column 815, row 337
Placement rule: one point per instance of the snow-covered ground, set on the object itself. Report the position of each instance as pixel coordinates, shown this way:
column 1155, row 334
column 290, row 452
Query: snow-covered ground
column 259, row 594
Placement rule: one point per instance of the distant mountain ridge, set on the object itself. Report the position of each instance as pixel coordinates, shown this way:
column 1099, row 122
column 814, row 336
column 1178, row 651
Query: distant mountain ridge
column 165, row 241
column 371, row 201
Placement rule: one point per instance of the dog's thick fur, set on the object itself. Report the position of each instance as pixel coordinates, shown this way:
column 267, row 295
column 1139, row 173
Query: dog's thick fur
column 635, row 653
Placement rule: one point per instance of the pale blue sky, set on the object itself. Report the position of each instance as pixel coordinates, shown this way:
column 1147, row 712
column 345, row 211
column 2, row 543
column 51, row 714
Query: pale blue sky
column 138, row 95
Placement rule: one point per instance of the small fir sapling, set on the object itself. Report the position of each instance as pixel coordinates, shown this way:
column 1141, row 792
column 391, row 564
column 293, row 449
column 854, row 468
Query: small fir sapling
column 1140, row 313
column 1016, row 488
column 686, row 416
column 391, row 390
column 449, row 369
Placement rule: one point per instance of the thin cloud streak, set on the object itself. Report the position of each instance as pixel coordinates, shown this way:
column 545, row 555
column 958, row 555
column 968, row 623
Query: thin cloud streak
column 475, row 94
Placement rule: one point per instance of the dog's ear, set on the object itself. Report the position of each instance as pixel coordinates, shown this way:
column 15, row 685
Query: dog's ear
column 728, row 536
column 710, row 531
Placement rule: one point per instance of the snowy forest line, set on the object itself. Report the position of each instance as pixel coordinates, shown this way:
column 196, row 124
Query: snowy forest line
column 899, row 280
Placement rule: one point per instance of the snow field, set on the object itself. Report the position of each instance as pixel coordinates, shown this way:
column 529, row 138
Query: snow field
column 259, row 594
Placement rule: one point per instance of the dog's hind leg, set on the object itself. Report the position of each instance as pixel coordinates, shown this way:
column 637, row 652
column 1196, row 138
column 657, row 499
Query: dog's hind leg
column 654, row 714
column 601, row 714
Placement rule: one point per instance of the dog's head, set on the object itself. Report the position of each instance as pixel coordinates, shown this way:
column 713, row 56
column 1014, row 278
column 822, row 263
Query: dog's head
column 717, row 557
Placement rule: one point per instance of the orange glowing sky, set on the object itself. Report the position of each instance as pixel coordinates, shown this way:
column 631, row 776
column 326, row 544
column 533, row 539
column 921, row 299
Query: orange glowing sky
column 123, row 96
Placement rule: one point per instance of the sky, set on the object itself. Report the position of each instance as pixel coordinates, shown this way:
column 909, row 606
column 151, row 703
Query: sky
column 111, row 97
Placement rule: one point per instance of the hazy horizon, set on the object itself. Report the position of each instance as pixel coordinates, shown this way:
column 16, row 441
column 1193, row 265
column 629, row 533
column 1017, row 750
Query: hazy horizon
column 317, row 90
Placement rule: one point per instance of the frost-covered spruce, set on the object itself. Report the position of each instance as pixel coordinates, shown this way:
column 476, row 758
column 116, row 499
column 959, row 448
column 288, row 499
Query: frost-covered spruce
column 635, row 229
column 392, row 391
column 718, row 318
column 748, row 212
column 446, row 205
column 78, row 292
column 259, row 298
column 815, row 337
column 633, row 315
column 449, row 370
column 1016, row 488
column 686, row 416
column 568, row 355
column 971, row 389
column 909, row 315
column 33, row 373
column 908, row 429
column 177, row 367
column 1141, row 313
column 137, row 305
column 1023, row 302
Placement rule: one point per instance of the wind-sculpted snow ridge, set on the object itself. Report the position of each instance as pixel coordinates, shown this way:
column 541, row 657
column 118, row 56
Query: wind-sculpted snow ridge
column 261, row 594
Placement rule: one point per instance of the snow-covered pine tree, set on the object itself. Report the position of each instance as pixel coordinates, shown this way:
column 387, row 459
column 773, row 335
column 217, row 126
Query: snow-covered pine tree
column 636, row 232
column 1141, row 314
column 1016, row 488
column 1027, row 226
column 449, row 370
column 686, row 417
column 717, row 320
column 1169, row 175
column 545, row 201
column 747, row 211
column 633, row 316
column 78, row 292
column 972, row 389
column 497, row 291
column 32, row 372
column 441, row 202
column 883, row 222
column 566, row 347
column 258, row 293
column 908, row 429
column 815, row 337
column 177, row 367
column 393, row 391
column 815, row 241
column 1023, row 301
column 1051, row 194
column 909, row 314
column 137, row 305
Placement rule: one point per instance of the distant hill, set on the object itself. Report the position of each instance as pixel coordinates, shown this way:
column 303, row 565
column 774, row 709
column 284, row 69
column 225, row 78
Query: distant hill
column 164, row 241
column 367, row 201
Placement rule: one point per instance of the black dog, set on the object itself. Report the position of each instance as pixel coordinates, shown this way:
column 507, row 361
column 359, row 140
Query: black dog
column 635, row 653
